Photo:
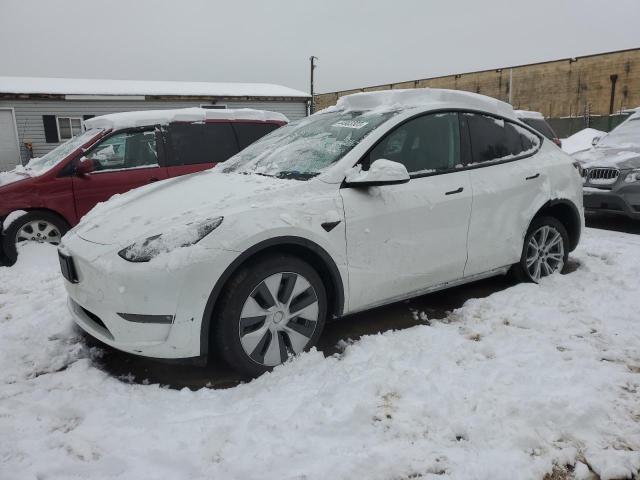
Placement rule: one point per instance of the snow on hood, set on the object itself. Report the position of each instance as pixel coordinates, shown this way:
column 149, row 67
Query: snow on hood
column 15, row 175
column 421, row 97
column 116, row 121
column 153, row 209
column 609, row 157
column 581, row 140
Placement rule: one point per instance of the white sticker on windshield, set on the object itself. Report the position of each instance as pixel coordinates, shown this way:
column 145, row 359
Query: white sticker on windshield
column 350, row 124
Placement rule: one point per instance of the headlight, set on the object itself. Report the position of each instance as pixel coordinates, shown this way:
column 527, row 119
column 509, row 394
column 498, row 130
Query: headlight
column 633, row 176
column 578, row 166
column 175, row 237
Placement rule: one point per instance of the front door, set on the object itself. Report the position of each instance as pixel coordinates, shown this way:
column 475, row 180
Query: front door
column 402, row 239
column 124, row 161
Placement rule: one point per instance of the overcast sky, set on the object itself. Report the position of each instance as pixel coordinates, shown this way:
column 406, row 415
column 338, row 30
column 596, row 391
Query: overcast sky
column 359, row 43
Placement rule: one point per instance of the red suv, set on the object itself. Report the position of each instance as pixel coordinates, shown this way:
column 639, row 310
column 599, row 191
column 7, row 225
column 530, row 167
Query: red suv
column 117, row 153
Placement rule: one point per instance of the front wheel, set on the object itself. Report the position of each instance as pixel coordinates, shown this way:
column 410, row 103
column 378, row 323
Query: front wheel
column 34, row 226
column 544, row 251
column 271, row 309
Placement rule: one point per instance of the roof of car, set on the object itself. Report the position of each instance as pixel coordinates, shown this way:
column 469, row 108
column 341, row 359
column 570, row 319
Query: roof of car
column 528, row 114
column 117, row 121
column 420, row 98
column 93, row 86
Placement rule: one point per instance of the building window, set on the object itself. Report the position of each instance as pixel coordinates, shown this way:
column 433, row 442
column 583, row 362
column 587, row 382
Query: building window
column 69, row 127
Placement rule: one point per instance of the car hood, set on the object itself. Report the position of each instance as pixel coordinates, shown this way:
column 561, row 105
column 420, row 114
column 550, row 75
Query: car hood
column 150, row 210
column 16, row 175
column 621, row 158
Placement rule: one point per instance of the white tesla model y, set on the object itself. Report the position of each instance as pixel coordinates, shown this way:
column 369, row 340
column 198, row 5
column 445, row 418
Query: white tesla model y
column 383, row 197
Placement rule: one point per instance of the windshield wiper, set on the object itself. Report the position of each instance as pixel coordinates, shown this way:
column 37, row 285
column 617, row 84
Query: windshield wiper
column 256, row 173
column 295, row 175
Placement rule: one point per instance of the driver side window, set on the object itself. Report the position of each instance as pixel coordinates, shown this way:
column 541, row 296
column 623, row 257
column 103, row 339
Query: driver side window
column 427, row 144
column 125, row 150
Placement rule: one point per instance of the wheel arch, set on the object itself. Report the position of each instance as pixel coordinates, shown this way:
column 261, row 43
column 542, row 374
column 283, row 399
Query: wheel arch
column 567, row 213
column 41, row 209
column 306, row 249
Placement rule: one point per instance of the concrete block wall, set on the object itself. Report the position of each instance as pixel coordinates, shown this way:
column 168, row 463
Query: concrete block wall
column 560, row 88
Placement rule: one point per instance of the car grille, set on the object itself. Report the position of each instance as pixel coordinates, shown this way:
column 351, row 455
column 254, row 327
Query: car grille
column 601, row 175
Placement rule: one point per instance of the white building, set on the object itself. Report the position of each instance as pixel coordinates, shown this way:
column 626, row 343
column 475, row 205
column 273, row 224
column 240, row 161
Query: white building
column 37, row 114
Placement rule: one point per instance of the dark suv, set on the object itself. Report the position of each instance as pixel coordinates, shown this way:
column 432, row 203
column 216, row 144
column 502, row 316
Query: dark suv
column 537, row 121
column 117, row 153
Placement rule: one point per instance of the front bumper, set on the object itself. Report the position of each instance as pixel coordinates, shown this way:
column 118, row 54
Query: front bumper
column 622, row 201
column 153, row 309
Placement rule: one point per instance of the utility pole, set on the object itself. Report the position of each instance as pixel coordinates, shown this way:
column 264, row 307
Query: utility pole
column 312, row 106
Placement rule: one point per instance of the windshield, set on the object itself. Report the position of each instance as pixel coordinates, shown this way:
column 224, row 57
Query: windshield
column 303, row 149
column 55, row 156
column 627, row 134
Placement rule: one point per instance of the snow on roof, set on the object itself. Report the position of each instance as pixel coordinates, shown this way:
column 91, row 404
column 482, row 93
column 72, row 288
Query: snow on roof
column 423, row 97
column 84, row 86
column 528, row 114
column 117, row 121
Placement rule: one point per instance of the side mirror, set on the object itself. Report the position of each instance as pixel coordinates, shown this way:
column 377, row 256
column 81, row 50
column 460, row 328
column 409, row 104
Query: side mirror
column 595, row 140
column 381, row 172
column 85, row 166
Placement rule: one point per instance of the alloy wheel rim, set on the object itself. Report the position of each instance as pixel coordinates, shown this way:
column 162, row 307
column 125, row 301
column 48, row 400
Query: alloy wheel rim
column 40, row 231
column 278, row 318
column 545, row 252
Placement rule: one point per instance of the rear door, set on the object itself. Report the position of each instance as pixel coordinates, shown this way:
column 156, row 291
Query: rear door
column 197, row 146
column 123, row 160
column 509, row 184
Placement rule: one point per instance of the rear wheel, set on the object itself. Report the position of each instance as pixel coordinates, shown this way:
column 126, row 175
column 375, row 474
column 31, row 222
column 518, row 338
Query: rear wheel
column 35, row 226
column 270, row 310
column 545, row 250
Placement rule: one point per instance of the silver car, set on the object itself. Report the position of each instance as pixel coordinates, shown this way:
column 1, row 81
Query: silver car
column 611, row 170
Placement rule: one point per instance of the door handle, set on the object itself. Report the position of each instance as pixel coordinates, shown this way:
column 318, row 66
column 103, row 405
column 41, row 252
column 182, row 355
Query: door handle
column 453, row 192
column 532, row 177
column 153, row 179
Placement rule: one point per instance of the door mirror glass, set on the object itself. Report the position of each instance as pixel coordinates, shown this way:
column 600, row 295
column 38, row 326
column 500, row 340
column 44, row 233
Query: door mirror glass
column 381, row 172
column 85, row 166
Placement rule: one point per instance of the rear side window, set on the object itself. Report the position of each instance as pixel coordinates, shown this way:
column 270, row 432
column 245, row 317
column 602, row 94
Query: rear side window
column 250, row 132
column 196, row 143
column 541, row 126
column 494, row 139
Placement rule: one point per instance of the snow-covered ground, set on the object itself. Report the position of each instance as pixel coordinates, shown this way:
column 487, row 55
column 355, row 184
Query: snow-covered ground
column 507, row 387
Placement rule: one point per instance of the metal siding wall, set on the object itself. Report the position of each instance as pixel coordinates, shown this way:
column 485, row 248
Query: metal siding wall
column 29, row 114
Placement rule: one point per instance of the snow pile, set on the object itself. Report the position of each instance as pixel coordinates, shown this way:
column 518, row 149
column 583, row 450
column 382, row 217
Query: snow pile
column 116, row 121
column 505, row 388
column 580, row 140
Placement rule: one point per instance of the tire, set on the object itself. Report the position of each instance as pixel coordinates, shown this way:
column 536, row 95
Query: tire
column 266, row 313
column 37, row 226
column 548, row 253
